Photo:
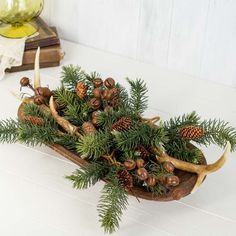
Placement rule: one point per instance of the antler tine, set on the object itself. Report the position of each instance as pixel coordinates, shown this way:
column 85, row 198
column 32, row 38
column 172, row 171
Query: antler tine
column 200, row 170
column 37, row 82
column 65, row 124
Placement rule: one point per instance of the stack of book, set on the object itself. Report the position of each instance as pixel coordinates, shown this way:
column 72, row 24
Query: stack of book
column 51, row 52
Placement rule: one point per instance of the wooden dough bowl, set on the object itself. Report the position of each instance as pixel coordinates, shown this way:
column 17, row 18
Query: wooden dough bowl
column 187, row 180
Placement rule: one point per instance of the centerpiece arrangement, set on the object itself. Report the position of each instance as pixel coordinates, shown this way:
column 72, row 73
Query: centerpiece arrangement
column 99, row 125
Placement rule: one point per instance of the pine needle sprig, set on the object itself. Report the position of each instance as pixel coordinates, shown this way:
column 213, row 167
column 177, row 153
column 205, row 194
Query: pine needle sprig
column 132, row 138
column 67, row 140
column 217, row 132
column 181, row 149
column 33, row 135
column 112, row 202
column 185, row 120
column 138, row 95
column 94, row 146
column 8, row 131
column 71, row 75
column 88, row 175
column 70, row 105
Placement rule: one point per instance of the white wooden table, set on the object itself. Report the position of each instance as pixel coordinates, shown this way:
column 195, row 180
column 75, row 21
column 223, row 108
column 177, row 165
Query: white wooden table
column 35, row 199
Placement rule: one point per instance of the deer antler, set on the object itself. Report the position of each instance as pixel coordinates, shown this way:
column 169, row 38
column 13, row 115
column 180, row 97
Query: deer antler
column 65, row 124
column 200, row 170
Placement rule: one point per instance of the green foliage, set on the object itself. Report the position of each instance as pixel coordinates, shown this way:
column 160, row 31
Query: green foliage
column 180, row 149
column 66, row 140
column 94, row 146
column 178, row 122
column 140, row 134
column 8, row 131
column 138, row 100
column 71, row 75
column 112, row 202
column 88, row 176
column 73, row 109
column 34, row 110
column 217, row 132
column 33, row 135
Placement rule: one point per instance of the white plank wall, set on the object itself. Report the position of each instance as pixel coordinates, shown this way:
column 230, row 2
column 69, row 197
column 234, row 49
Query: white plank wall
column 197, row 37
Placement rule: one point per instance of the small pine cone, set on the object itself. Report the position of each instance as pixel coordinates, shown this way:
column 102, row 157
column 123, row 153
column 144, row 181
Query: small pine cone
column 122, row 124
column 88, row 128
column 125, row 179
column 191, row 132
column 144, row 153
column 34, row 120
column 81, row 90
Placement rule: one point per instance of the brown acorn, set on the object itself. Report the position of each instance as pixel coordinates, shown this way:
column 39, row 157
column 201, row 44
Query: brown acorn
column 43, row 91
column 151, row 181
column 107, row 95
column 81, row 90
column 109, row 82
column 95, row 103
column 130, row 164
column 142, row 173
column 24, row 82
column 162, row 179
column 172, row 181
column 97, row 82
column 168, row 166
column 140, row 163
column 97, row 92
column 39, row 100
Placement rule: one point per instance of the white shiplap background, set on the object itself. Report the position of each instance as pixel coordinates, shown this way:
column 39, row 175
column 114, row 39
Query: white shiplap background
column 197, row 37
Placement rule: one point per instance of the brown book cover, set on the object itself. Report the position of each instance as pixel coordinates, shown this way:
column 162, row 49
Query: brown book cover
column 48, row 54
column 46, row 37
column 31, row 66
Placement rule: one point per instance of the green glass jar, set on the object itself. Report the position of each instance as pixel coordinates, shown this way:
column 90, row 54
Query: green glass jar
column 15, row 17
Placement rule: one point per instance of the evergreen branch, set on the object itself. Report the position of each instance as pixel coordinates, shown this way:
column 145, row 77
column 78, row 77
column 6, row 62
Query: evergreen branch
column 94, row 146
column 140, row 134
column 31, row 134
column 112, row 202
column 138, row 97
column 217, row 132
column 8, row 131
column 187, row 119
column 88, row 176
column 66, row 140
column 71, row 75
column 181, row 150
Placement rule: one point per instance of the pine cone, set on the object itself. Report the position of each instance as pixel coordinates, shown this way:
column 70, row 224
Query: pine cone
column 125, row 179
column 191, row 132
column 144, row 153
column 122, row 124
column 81, row 90
column 34, row 120
column 88, row 128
